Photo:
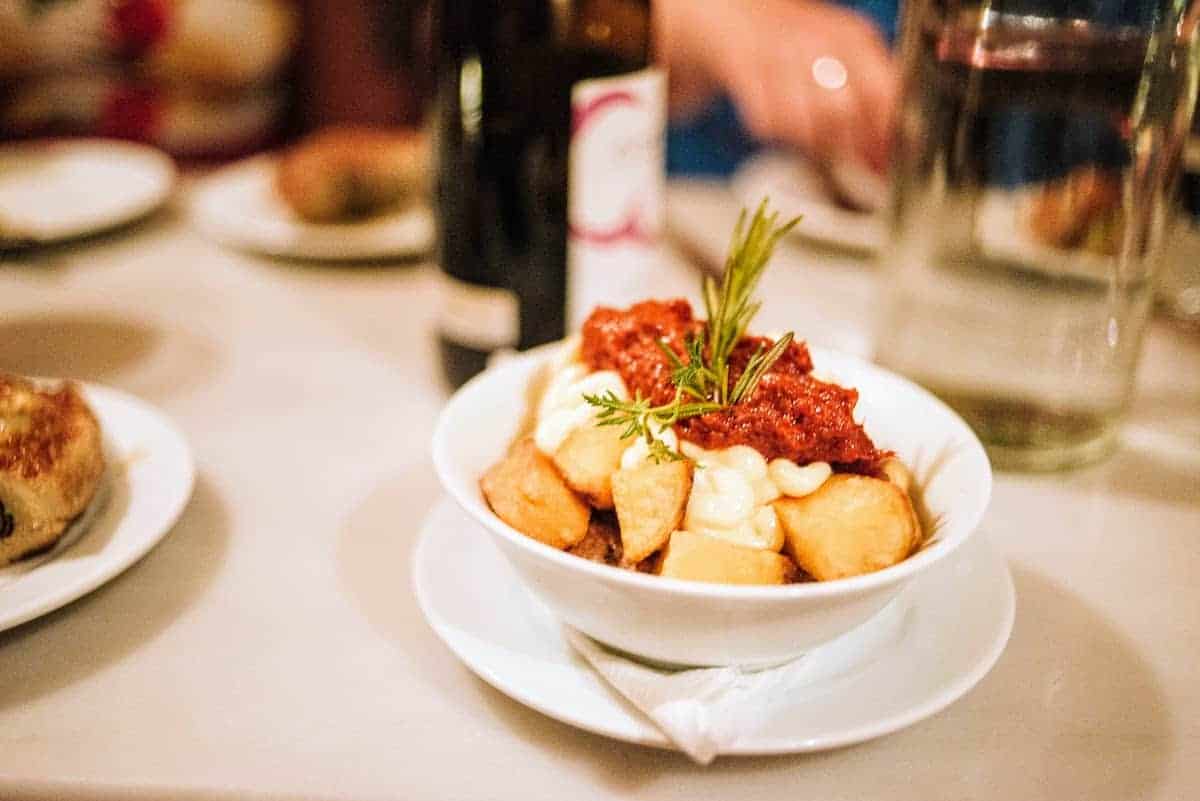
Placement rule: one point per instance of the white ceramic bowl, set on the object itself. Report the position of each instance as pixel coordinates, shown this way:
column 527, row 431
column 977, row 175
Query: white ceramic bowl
column 693, row 623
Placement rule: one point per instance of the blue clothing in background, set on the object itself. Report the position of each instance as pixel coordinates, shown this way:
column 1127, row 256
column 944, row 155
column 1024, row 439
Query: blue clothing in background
column 1029, row 146
column 710, row 145
column 884, row 13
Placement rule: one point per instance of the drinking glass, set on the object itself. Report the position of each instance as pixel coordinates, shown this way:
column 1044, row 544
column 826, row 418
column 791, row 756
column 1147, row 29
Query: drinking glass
column 1179, row 281
column 1037, row 150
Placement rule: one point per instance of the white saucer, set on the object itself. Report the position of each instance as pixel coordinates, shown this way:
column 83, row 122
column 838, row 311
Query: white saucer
column 936, row 641
column 795, row 189
column 51, row 191
column 144, row 490
column 238, row 206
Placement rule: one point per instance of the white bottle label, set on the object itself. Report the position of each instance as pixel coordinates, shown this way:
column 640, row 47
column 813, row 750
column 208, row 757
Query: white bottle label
column 615, row 189
column 481, row 317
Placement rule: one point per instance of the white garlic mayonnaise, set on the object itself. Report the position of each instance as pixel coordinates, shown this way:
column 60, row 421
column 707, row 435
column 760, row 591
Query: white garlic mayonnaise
column 563, row 408
column 732, row 490
column 795, row 481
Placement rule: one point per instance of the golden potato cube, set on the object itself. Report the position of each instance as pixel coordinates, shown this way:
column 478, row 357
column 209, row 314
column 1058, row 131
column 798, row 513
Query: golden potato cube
column 698, row 557
column 918, row 530
column 852, row 525
column 650, row 501
column 526, row 491
column 587, row 459
column 898, row 473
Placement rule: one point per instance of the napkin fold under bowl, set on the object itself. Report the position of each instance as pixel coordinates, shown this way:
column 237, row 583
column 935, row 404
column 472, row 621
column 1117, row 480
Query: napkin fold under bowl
column 705, row 712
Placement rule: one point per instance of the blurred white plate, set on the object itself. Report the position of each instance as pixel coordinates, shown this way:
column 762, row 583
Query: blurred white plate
column 146, row 485
column 51, row 191
column 238, row 206
column 795, row 189
column 926, row 649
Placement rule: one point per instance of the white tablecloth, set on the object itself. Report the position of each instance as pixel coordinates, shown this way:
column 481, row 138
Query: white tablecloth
column 271, row 646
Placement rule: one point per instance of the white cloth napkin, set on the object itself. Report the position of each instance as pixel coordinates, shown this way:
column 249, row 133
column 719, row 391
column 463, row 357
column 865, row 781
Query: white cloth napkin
column 707, row 711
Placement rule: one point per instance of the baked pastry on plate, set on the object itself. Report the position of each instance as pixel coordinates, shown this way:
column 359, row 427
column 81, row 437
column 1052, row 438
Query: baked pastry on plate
column 51, row 461
column 1081, row 211
column 344, row 174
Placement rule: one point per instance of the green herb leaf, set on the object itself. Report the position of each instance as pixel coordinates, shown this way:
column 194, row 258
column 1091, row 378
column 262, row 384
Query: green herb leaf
column 660, row 453
column 758, row 366
column 731, row 310
column 637, row 415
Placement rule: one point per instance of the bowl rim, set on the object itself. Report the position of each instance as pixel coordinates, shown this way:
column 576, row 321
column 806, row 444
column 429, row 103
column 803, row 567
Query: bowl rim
column 474, row 504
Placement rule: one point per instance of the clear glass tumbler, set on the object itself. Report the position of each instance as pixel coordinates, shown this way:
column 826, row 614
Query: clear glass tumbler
column 1038, row 147
column 1179, row 279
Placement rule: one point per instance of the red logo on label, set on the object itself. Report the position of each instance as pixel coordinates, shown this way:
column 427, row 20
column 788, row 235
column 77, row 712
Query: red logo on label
column 631, row 228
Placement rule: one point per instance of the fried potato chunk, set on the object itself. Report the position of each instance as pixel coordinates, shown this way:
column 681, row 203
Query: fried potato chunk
column 525, row 490
column 898, row 473
column 852, row 525
column 587, row 459
column 698, row 557
column 650, row 501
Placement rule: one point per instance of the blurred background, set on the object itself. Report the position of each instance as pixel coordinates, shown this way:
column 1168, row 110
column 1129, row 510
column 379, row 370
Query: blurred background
column 219, row 79
column 202, row 79
column 352, row 130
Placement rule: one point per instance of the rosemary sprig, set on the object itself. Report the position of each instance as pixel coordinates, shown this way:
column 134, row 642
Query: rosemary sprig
column 731, row 308
column 757, row 367
column 702, row 381
column 637, row 415
column 661, row 452
column 693, row 378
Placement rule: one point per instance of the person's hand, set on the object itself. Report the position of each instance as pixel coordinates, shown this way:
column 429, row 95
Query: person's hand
column 801, row 72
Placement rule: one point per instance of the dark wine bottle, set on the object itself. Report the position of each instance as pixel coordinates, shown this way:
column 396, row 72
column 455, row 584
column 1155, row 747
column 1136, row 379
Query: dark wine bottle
column 548, row 128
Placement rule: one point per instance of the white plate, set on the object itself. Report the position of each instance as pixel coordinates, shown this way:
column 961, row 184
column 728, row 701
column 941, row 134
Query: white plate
column 795, row 189
column 51, row 191
column 238, row 206
column 929, row 647
column 144, row 490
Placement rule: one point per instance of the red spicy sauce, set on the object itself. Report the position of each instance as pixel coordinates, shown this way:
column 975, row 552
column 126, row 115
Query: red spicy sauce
column 790, row 414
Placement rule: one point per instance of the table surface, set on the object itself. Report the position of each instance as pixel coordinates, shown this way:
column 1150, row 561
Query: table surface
column 271, row 647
